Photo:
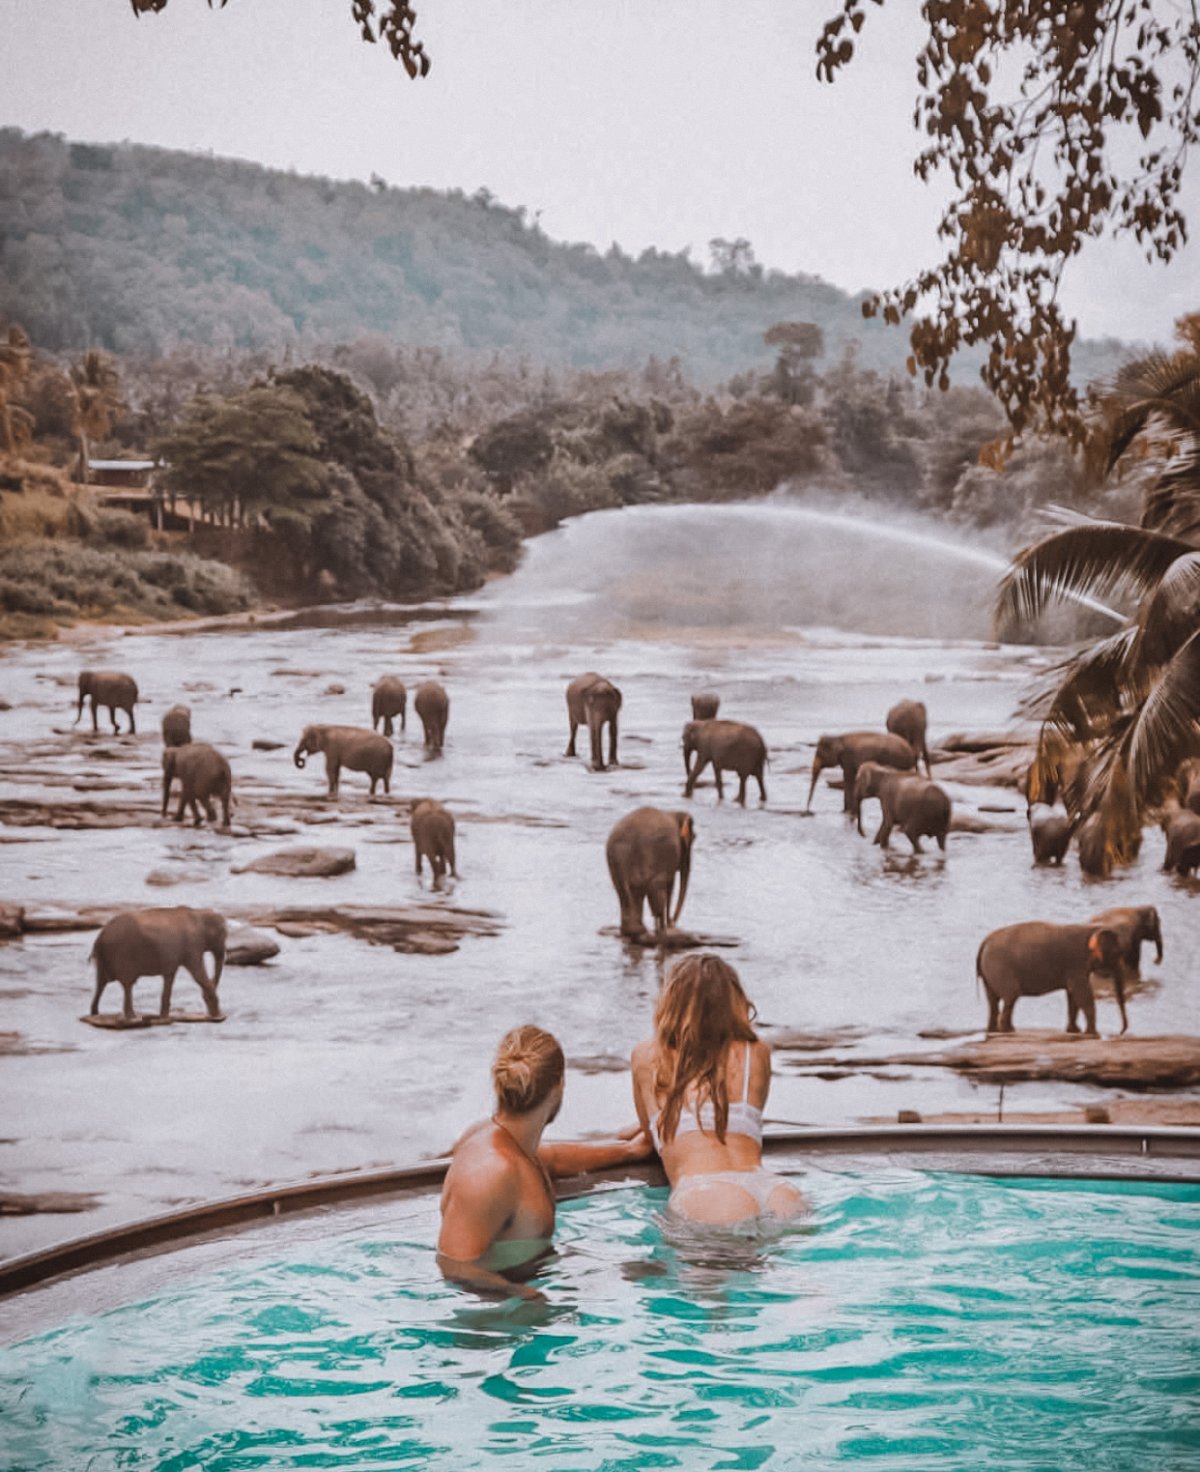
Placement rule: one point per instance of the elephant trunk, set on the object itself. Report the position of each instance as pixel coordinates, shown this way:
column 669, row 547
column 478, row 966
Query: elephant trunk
column 1156, row 937
column 79, row 711
column 300, row 755
column 685, row 868
column 817, row 768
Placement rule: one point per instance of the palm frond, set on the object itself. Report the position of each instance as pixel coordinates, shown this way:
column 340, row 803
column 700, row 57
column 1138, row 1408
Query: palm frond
column 1167, row 728
column 1170, row 615
column 1088, row 680
column 1158, row 387
column 1091, row 559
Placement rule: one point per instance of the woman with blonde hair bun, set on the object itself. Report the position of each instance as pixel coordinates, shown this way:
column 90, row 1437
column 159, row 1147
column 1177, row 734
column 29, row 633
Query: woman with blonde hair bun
column 498, row 1197
column 700, row 1085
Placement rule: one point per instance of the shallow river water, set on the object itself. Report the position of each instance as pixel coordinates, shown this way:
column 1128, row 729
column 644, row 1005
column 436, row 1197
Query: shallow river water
column 340, row 1054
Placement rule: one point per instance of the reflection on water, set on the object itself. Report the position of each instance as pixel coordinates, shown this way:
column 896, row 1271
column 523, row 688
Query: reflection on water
column 343, row 1054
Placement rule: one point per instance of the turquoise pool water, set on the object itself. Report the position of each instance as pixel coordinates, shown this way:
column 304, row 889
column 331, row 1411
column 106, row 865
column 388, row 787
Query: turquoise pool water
column 925, row 1321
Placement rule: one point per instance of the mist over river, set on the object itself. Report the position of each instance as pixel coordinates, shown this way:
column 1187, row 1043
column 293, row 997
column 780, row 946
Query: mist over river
column 340, row 1054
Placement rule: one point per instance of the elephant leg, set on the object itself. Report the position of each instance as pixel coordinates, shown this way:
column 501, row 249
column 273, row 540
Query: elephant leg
column 164, row 1006
column 941, row 841
column 208, row 988
column 210, row 811
column 1072, row 1012
column 741, row 797
column 717, row 779
column 374, row 779
column 197, row 817
column 183, row 801
column 225, row 804
column 632, row 904
column 884, row 837
column 417, row 848
column 453, row 861
column 387, row 783
column 127, row 1010
column 101, row 982
column 132, row 723
column 612, row 742
column 993, row 1022
column 570, row 751
column 333, row 770
column 596, row 736
column 112, row 715
column 1088, row 1002
column 914, row 837
column 95, row 717
column 387, row 726
column 1006, row 1012
column 849, row 777
column 762, row 790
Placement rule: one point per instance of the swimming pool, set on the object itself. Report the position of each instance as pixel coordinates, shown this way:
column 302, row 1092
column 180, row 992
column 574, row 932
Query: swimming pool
column 924, row 1319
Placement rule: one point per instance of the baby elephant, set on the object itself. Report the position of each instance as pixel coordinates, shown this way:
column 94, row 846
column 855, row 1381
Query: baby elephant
column 177, row 726
column 1133, row 924
column 433, row 837
column 1033, row 958
column 1049, row 832
column 918, row 808
column 432, row 704
column 158, row 943
column 203, row 775
column 388, row 699
column 348, row 746
column 109, row 688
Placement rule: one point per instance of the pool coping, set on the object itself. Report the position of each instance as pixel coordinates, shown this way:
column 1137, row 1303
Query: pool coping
column 954, row 1144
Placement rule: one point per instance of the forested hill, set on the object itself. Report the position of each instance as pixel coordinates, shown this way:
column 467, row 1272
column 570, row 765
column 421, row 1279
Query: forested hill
column 140, row 249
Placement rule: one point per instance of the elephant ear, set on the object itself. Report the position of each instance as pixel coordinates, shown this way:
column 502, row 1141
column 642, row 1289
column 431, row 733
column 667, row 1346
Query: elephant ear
column 1103, row 946
column 687, row 829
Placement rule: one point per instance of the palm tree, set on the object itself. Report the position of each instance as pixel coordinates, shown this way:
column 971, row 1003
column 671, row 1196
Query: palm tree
column 97, row 388
column 1119, row 717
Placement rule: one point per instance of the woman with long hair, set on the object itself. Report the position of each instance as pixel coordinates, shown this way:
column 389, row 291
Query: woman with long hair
column 699, row 1085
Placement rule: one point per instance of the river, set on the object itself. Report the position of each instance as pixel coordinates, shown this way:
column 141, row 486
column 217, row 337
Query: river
column 340, row 1054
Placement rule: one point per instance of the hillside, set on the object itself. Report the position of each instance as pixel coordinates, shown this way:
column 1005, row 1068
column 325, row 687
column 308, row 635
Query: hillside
column 140, row 250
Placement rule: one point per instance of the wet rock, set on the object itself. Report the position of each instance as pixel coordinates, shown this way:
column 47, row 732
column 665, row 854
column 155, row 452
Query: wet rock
column 427, row 930
column 908, row 1116
column 51, row 921
column 1097, row 1114
column 261, row 743
column 165, row 878
column 11, row 921
column 334, row 689
column 303, row 863
column 246, row 946
column 13, row 1203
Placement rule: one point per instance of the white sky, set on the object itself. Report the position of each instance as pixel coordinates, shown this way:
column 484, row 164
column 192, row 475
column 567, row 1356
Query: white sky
column 647, row 122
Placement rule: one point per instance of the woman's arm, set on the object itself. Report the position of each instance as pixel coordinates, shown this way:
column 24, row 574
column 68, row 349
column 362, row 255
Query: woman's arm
column 641, row 1073
column 572, row 1157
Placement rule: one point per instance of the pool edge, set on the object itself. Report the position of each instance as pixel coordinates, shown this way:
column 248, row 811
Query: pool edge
column 1162, row 1143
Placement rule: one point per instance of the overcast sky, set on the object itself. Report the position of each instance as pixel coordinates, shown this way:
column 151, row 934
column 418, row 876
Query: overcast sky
column 645, row 122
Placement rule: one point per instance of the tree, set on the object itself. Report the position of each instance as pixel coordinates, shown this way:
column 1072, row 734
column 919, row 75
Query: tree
column 247, row 455
column 1125, row 712
column 799, row 344
column 96, row 403
column 15, row 355
column 1028, row 105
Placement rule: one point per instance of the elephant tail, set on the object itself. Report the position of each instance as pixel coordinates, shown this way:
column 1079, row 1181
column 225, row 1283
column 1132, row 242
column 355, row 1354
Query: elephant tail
column 979, row 976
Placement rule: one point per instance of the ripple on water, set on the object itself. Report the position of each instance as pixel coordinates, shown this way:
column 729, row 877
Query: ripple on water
column 916, row 1320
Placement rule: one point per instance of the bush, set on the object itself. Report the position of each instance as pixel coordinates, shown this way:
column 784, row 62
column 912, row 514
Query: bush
column 62, row 579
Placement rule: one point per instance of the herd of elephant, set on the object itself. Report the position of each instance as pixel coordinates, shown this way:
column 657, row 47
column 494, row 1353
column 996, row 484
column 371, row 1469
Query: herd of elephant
column 649, row 850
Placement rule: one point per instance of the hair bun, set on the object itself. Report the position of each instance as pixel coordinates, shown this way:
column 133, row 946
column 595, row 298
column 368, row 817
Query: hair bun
column 529, row 1063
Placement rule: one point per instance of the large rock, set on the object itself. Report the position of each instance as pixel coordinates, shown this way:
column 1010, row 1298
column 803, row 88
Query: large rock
column 302, row 863
column 246, row 946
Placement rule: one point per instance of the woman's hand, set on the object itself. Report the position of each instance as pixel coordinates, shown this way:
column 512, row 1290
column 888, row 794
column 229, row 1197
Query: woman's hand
column 638, row 1145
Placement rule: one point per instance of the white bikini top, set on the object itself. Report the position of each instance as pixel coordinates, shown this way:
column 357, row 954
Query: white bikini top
column 744, row 1118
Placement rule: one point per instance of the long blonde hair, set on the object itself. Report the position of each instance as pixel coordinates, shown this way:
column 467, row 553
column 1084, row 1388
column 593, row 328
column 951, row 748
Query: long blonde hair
column 529, row 1063
column 701, row 1010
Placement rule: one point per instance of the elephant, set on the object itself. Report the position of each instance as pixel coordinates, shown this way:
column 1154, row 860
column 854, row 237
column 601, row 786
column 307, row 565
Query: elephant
column 917, row 807
column 433, row 837
column 109, row 688
column 1189, row 784
column 728, row 745
column 908, row 719
column 850, row 750
column 432, row 704
column 1182, row 828
column 203, row 775
column 1133, row 924
column 1036, row 957
column 348, row 746
column 1050, row 832
column 388, row 698
column 596, row 702
column 705, row 706
column 1095, row 857
column 158, row 943
column 177, row 726
column 645, row 851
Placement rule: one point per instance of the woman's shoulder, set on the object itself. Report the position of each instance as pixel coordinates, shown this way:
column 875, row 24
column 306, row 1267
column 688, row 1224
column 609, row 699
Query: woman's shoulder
column 644, row 1053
